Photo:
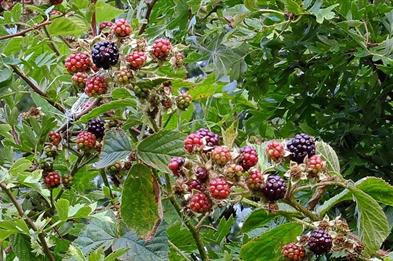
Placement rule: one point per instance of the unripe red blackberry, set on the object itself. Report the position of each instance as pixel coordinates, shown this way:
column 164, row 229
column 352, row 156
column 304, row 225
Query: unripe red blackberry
column 248, row 157
column 121, row 28
column 293, row 252
column 219, row 188
column 320, row 242
column 79, row 79
column 221, row 155
column 166, row 102
column 77, row 62
column 200, row 203
column 123, row 76
column 183, row 101
column 212, row 139
column 194, row 185
column 97, row 127
column 105, row 54
column 52, row 179
column 161, row 49
column 201, row 174
column 136, row 59
column 67, row 181
column 233, row 171
column 175, row 165
column 301, row 146
column 105, row 26
column 274, row 188
column 254, row 180
column 275, row 150
column 315, row 164
column 96, row 85
column 54, row 137
column 86, row 140
column 193, row 142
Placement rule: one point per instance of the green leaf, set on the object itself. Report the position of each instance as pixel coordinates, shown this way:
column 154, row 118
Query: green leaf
column 157, row 150
column 5, row 76
column 328, row 154
column 116, row 147
column 98, row 233
column 155, row 249
column 22, row 248
column 45, row 105
column 62, row 207
column 293, row 7
column 116, row 254
column 141, row 211
column 67, row 26
column 20, row 167
column 324, row 13
column 117, row 104
column 230, row 134
column 257, row 219
column 268, row 245
column 106, row 12
column 372, row 222
column 377, row 188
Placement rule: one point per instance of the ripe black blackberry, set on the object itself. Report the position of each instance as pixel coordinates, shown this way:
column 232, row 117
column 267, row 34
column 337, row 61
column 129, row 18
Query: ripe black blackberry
column 97, row 127
column 105, row 54
column 211, row 138
column 275, row 188
column 320, row 242
column 301, row 146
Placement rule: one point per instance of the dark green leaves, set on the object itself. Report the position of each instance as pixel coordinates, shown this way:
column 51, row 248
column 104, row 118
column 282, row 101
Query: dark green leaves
column 116, row 147
column 157, row 149
column 141, row 207
column 268, row 246
column 116, row 104
column 372, row 223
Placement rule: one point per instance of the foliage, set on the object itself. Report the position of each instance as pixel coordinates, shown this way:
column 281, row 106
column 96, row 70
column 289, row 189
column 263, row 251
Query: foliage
column 255, row 71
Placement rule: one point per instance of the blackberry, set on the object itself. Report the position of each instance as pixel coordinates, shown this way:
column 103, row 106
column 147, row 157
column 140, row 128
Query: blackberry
column 219, row 188
column 320, row 242
column 105, row 54
column 52, row 179
column 248, row 157
column 293, row 252
column 275, row 188
column 221, row 155
column 254, row 180
column 212, row 139
column 97, row 127
column 315, row 164
column 201, row 174
column 86, row 140
column 193, row 142
column 194, row 185
column 200, row 203
column 175, row 165
column 275, row 150
column 301, row 146
column 67, row 181
column 161, row 49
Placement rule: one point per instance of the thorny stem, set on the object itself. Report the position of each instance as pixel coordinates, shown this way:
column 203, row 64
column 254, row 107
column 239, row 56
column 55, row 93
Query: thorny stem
column 187, row 221
column 51, row 43
column 35, row 88
column 179, row 251
column 93, row 19
column 106, row 182
column 293, row 203
column 28, row 221
column 147, row 17
column 23, row 32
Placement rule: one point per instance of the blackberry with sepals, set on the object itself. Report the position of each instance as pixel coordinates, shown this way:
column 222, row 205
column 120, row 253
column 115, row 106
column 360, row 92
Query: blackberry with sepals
column 97, row 127
column 202, row 174
column 301, row 146
column 293, row 252
column 105, row 54
column 212, row 139
column 200, row 203
column 320, row 242
column 248, row 157
column 274, row 188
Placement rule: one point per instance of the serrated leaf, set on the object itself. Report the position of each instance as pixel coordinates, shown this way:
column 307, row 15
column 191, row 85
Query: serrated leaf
column 20, row 167
column 106, row 11
column 5, row 75
column 157, row 150
column 67, row 26
column 45, row 105
column 116, row 147
column 117, row 104
column 372, row 222
column 155, row 249
column 62, row 207
column 257, row 219
column 328, row 154
column 97, row 233
column 377, row 188
column 141, row 211
column 22, row 248
column 267, row 247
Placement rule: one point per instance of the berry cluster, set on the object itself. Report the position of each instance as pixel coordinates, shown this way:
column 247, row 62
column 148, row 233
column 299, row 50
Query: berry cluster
column 327, row 237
